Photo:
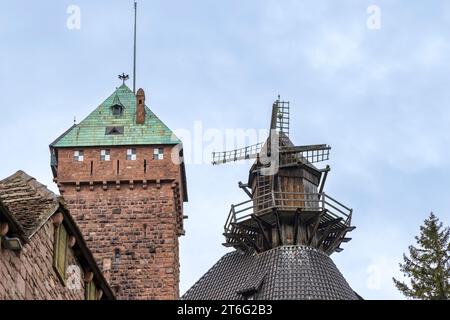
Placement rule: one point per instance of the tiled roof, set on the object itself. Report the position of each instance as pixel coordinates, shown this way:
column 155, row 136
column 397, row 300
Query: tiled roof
column 91, row 131
column 28, row 205
column 27, row 202
column 286, row 272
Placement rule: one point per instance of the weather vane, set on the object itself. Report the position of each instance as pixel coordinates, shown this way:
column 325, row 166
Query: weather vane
column 124, row 77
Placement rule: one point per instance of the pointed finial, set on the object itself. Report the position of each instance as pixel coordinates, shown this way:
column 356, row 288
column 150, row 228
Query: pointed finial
column 124, row 77
column 74, row 119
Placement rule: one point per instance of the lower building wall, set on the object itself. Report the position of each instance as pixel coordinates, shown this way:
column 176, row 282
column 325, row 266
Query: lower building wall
column 29, row 274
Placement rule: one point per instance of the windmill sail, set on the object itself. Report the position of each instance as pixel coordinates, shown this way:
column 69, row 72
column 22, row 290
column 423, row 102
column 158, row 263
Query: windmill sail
column 280, row 117
column 306, row 154
column 288, row 155
column 250, row 152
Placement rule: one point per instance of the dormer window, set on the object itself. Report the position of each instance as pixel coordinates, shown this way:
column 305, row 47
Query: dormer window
column 117, row 107
column 114, row 130
column 117, row 110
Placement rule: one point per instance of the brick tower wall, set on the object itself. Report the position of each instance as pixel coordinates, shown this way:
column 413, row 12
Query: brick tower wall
column 131, row 218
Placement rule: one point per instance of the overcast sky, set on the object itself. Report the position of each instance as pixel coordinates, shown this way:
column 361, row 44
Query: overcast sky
column 379, row 97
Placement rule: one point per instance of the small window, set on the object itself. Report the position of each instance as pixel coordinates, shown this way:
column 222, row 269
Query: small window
column 78, row 155
column 113, row 130
column 117, row 110
column 60, row 252
column 116, row 256
column 158, row 153
column 105, row 155
column 249, row 294
column 131, row 154
column 91, row 291
column 251, row 297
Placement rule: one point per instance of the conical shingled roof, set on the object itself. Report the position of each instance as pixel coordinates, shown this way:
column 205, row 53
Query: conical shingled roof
column 283, row 273
column 91, row 131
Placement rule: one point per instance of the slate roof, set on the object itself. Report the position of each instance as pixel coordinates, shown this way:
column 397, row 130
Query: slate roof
column 91, row 131
column 27, row 202
column 283, row 273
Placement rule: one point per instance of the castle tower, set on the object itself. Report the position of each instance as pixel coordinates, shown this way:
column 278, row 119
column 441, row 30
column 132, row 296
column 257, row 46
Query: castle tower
column 121, row 174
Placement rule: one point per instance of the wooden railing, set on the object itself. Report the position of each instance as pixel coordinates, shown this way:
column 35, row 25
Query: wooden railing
column 288, row 201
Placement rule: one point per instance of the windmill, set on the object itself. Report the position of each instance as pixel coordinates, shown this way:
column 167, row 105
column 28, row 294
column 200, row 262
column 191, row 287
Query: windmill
column 287, row 204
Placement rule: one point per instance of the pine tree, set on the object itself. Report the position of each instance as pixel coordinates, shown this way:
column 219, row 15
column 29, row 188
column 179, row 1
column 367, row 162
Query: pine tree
column 428, row 267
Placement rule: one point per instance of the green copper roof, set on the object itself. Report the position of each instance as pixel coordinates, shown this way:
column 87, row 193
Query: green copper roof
column 92, row 130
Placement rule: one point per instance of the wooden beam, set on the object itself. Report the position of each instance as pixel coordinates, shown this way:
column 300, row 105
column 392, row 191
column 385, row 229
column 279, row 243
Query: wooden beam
column 315, row 228
column 337, row 241
column 309, row 216
column 331, row 222
column 265, row 223
column 245, row 188
column 277, row 216
column 239, row 240
column 327, row 231
column 245, row 236
column 297, row 149
column 324, row 179
column 273, row 119
column 243, row 226
column 261, row 227
column 230, row 244
column 296, row 222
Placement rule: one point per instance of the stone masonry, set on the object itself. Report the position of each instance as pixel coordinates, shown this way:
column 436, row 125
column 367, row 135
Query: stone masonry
column 30, row 275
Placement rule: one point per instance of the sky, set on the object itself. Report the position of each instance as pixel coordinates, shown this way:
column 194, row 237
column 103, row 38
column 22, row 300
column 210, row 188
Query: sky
column 372, row 82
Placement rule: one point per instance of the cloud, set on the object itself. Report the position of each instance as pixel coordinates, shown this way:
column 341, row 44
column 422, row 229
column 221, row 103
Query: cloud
column 433, row 52
column 333, row 50
column 380, row 272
